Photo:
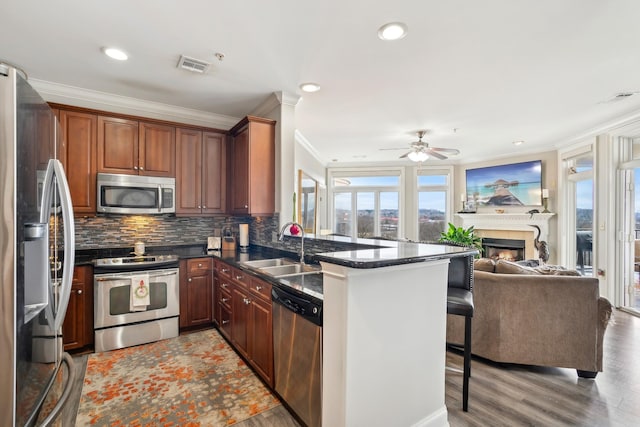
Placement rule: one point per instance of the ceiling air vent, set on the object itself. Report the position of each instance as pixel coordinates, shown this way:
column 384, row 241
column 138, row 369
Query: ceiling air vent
column 192, row 64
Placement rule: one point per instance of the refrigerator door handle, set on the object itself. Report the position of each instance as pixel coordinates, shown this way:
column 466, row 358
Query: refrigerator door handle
column 56, row 171
column 71, row 378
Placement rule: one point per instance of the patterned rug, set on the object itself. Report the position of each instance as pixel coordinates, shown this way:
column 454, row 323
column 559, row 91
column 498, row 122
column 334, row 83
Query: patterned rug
column 192, row 380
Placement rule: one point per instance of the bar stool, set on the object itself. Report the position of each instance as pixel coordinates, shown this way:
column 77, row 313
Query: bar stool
column 460, row 303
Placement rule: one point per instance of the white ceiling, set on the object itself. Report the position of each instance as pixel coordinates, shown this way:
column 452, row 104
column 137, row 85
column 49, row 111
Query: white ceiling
column 497, row 70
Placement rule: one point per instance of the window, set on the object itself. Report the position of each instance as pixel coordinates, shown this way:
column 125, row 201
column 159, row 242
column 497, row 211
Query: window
column 365, row 204
column 433, row 194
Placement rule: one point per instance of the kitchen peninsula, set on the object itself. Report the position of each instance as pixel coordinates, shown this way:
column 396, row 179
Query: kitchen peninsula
column 384, row 335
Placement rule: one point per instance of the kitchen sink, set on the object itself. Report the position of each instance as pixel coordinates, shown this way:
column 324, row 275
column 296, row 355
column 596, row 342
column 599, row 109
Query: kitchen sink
column 273, row 262
column 281, row 267
column 291, row 269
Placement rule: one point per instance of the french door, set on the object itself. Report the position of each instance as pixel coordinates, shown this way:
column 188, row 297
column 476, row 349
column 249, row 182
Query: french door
column 629, row 291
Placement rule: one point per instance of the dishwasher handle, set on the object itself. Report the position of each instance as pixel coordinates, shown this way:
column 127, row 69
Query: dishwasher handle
column 304, row 307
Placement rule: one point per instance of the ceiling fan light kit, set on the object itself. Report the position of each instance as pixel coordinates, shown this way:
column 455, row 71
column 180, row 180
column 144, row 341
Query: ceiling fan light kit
column 418, row 156
column 421, row 151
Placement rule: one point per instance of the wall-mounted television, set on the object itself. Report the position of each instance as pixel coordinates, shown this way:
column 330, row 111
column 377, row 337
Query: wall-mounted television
column 515, row 184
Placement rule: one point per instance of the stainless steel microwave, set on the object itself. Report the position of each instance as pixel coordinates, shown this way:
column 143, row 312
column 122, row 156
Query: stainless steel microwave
column 135, row 194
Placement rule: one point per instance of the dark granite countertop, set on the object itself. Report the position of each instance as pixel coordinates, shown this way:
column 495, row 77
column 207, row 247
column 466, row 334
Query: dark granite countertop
column 309, row 284
column 367, row 253
column 393, row 253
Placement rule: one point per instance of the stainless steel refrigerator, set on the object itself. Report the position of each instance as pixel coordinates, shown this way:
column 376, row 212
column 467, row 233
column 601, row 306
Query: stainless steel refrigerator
column 36, row 257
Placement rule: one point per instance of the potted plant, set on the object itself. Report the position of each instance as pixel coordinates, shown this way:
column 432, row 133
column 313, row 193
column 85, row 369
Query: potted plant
column 461, row 237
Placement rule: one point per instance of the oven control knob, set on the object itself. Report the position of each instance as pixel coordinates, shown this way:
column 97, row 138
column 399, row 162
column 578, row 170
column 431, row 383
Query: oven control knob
column 315, row 310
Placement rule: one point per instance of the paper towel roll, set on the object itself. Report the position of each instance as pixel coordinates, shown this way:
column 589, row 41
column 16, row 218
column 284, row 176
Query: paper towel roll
column 244, row 234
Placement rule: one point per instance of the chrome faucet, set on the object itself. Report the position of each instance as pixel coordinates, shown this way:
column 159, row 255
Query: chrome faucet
column 281, row 237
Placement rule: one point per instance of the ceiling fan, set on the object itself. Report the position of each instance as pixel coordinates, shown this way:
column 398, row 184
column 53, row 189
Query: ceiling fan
column 420, row 150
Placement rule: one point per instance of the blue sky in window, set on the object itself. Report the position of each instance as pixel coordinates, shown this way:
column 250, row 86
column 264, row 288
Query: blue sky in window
column 584, row 194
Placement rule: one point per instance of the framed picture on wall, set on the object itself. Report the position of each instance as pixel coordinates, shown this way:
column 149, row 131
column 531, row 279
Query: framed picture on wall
column 515, row 184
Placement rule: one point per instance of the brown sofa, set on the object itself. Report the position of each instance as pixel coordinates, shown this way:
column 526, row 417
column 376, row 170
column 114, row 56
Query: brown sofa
column 535, row 316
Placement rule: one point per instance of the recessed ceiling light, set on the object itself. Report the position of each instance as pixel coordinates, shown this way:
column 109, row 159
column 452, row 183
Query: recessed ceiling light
column 310, row 87
column 519, row 142
column 115, row 53
column 392, row 31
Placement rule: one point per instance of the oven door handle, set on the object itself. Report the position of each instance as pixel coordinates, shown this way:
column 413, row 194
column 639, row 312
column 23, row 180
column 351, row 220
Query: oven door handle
column 151, row 277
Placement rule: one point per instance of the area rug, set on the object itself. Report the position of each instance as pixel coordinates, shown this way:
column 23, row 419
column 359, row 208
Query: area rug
column 191, row 380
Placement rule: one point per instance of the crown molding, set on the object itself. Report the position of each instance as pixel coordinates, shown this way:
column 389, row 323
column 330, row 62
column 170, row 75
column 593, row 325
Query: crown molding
column 71, row 95
column 273, row 101
column 304, row 142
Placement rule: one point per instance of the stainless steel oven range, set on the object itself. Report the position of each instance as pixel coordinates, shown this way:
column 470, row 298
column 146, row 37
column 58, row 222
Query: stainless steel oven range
column 136, row 300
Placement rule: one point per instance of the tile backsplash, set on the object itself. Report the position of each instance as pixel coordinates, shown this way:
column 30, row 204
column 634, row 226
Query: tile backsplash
column 115, row 231
column 155, row 230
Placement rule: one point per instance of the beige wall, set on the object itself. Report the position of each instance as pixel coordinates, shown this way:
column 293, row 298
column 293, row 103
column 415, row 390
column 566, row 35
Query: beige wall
column 549, row 180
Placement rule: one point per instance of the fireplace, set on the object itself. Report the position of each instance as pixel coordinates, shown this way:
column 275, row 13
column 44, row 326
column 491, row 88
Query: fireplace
column 507, row 249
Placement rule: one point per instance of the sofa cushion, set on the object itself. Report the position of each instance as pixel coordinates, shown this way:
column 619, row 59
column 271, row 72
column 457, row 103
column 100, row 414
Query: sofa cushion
column 508, row 267
column 484, row 264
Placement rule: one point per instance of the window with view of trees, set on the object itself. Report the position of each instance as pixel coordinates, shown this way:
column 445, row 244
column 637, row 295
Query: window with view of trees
column 432, row 205
column 375, row 201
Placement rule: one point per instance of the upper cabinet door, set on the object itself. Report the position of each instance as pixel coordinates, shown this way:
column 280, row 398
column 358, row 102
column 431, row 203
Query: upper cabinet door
column 252, row 189
column 239, row 188
column 188, row 172
column 78, row 155
column 213, row 172
column 157, row 150
column 200, row 172
column 117, row 145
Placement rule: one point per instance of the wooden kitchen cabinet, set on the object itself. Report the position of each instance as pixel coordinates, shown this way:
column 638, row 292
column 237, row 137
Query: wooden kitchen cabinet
column 117, row 145
column 245, row 314
column 196, row 292
column 200, row 172
column 78, row 155
column 77, row 329
column 135, row 148
column 157, row 151
column 252, row 167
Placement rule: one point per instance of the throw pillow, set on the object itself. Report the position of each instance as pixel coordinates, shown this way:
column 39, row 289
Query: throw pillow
column 508, row 267
column 484, row 264
column 556, row 270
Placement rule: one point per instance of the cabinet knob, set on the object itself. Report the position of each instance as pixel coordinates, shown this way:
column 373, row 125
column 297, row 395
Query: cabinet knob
column 224, row 322
column 189, row 279
column 199, row 264
column 204, row 207
column 225, row 299
column 199, row 207
column 258, row 288
column 247, row 301
column 79, row 291
column 225, row 285
column 135, row 168
column 239, row 277
column 225, row 270
column 141, row 168
column 246, row 206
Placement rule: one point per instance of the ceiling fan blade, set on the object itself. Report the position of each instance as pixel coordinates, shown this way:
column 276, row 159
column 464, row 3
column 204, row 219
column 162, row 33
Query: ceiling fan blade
column 405, row 154
column 385, row 149
column 450, row 151
column 435, row 154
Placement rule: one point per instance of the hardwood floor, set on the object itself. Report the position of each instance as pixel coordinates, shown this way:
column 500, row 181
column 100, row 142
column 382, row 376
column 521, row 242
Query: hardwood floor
column 516, row 395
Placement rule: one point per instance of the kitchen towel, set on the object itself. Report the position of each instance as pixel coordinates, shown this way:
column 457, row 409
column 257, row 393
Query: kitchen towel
column 139, row 293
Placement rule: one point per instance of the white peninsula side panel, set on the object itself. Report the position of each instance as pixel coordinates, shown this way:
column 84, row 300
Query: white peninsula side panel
column 384, row 345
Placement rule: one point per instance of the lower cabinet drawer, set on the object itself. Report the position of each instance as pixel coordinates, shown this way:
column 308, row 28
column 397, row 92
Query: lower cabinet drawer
column 225, row 298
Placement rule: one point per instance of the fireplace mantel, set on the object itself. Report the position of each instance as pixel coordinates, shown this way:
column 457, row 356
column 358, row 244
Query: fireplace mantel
column 508, row 221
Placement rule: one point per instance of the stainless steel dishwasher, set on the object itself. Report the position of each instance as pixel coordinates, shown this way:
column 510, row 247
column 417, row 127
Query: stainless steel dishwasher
column 297, row 342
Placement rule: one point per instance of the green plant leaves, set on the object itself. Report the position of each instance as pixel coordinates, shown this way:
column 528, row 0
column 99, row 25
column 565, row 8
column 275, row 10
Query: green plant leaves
column 461, row 236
